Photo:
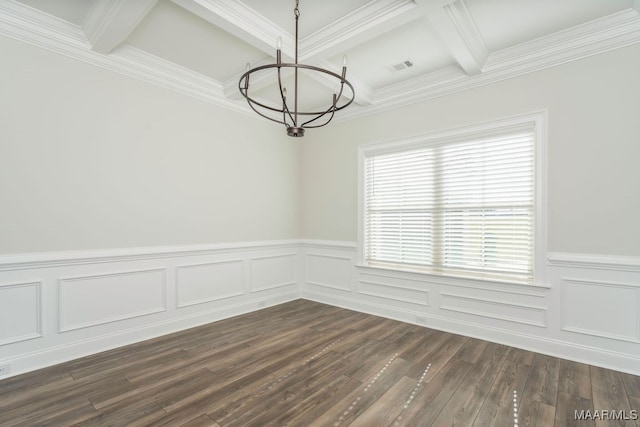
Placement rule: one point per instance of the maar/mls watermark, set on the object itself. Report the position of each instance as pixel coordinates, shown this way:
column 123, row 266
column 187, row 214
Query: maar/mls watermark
column 606, row 414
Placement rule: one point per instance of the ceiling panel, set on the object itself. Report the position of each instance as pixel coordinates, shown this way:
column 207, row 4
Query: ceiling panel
column 314, row 14
column 73, row 11
column 376, row 61
column 399, row 50
column 504, row 24
column 172, row 33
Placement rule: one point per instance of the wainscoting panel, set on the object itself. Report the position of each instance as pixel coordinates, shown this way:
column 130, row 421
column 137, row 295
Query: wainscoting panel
column 418, row 297
column 493, row 309
column 60, row 306
column 608, row 310
column 592, row 317
column 273, row 271
column 208, row 282
column 84, row 302
column 94, row 300
column 20, row 316
column 329, row 271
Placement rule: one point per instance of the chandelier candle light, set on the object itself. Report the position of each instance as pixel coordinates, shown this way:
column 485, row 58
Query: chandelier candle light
column 297, row 121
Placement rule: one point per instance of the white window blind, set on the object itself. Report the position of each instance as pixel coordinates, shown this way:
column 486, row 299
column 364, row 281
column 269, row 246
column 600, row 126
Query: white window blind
column 461, row 208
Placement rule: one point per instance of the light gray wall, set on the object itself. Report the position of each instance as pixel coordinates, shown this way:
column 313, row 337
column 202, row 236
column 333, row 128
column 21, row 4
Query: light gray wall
column 90, row 159
column 593, row 151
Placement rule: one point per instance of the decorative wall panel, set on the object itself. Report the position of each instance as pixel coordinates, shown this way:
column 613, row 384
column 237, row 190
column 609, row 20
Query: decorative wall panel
column 201, row 283
column 97, row 299
column 493, row 309
column 329, row 271
column 269, row 272
column 20, row 317
column 608, row 310
column 395, row 293
column 84, row 302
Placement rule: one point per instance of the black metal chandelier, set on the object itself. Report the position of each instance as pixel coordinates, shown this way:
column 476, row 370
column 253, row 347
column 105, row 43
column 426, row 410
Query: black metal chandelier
column 297, row 121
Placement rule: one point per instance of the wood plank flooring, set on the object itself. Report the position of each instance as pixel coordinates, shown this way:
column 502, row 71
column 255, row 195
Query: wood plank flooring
column 309, row 364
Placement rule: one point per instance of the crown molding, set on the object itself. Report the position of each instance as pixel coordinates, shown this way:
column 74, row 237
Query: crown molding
column 28, row 25
column 110, row 22
column 598, row 36
column 369, row 21
column 454, row 25
column 151, row 69
column 242, row 22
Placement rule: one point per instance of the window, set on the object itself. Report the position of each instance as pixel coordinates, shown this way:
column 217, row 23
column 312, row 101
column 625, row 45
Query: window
column 462, row 203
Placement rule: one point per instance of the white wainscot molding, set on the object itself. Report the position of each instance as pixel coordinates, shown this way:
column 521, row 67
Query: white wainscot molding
column 329, row 271
column 208, row 282
column 98, row 299
column 588, row 310
column 60, row 306
column 394, row 292
column 20, row 312
column 607, row 310
column 493, row 309
column 273, row 271
column 84, row 302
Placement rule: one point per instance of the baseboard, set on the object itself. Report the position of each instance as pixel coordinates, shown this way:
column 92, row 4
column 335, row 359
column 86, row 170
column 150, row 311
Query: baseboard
column 54, row 355
column 564, row 350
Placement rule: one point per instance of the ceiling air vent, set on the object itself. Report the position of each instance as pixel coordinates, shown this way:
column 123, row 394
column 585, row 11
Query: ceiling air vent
column 402, row 65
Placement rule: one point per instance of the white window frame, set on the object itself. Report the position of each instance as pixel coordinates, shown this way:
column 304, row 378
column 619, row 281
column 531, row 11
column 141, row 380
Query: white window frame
column 537, row 119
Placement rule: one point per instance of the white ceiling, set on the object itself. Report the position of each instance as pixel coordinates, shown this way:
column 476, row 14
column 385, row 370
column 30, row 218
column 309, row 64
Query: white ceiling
column 201, row 47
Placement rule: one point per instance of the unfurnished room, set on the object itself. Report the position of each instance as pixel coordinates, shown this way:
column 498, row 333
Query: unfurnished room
column 320, row 213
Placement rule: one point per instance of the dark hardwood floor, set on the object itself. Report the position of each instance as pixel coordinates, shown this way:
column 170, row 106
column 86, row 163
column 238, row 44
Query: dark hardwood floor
column 309, row 364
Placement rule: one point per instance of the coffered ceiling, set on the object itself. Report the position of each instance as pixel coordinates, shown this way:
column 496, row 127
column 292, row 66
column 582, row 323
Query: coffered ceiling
column 399, row 51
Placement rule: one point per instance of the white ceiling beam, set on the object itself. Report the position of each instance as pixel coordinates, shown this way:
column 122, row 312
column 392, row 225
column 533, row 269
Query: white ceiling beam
column 366, row 23
column 243, row 22
column 251, row 27
column 457, row 30
column 110, row 22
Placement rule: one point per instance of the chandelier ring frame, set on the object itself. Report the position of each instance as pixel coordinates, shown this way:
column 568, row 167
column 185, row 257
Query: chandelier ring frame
column 243, row 86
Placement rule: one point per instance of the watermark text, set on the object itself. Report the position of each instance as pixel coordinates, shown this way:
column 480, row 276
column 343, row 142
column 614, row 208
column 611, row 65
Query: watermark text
column 606, row 414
